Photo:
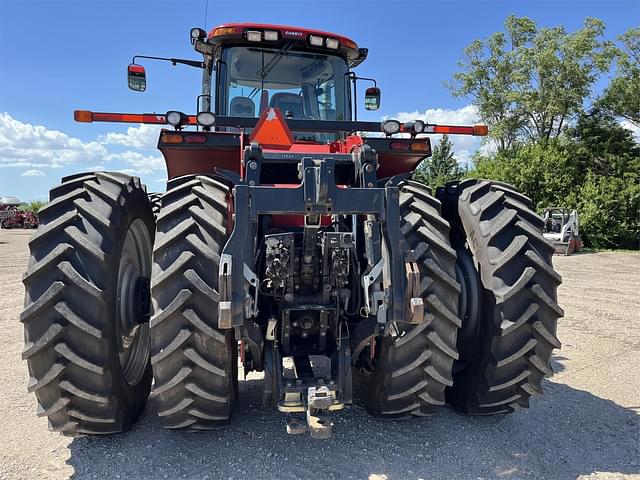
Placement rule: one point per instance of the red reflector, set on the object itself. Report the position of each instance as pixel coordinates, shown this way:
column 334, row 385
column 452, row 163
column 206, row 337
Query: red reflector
column 171, row 138
column 399, row 146
column 83, row 116
column 195, row 139
column 480, row 130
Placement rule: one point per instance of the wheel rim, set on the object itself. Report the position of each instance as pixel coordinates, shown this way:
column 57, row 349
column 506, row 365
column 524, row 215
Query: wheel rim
column 132, row 326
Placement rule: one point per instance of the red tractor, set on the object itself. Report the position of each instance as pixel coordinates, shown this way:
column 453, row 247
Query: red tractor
column 290, row 243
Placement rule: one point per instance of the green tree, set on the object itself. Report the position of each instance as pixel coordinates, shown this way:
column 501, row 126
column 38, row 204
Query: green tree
column 609, row 210
column 545, row 172
column 622, row 96
column 441, row 167
column 607, row 193
column 527, row 83
column 602, row 146
column 594, row 168
column 33, row 206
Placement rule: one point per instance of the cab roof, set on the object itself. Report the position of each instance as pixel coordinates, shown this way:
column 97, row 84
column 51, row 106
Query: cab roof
column 234, row 33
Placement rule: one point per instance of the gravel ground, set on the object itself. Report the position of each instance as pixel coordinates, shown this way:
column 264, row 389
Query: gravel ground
column 587, row 425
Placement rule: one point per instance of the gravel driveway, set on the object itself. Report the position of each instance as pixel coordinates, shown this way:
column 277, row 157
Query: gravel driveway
column 587, row 425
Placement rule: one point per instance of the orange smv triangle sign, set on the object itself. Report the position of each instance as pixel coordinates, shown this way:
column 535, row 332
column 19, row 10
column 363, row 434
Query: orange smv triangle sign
column 272, row 130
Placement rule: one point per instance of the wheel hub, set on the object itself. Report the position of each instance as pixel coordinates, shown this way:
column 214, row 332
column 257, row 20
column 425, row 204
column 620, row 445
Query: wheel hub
column 134, row 302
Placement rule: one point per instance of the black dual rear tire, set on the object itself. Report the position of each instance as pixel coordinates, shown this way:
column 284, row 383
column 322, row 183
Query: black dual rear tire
column 509, row 298
column 411, row 370
column 195, row 365
column 87, row 343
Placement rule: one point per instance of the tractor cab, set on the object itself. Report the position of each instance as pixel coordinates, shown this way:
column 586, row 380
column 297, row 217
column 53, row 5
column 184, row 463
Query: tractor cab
column 305, row 73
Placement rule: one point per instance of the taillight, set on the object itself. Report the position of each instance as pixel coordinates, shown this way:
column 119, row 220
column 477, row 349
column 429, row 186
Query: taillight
column 420, row 147
column 195, row 138
column 399, row 146
column 171, row 138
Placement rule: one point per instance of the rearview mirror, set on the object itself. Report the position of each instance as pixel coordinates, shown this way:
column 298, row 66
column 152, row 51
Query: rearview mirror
column 137, row 77
column 372, row 98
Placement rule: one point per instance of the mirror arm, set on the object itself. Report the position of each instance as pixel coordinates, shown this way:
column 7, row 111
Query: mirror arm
column 174, row 61
column 355, row 77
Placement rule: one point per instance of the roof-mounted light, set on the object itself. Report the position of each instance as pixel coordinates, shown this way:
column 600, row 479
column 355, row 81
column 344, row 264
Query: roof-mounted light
column 254, row 36
column 316, row 41
column 206, row 119
column 175, row 119
column 197, row 34
column 332, row 43
column 271, row 35
column 390, row 126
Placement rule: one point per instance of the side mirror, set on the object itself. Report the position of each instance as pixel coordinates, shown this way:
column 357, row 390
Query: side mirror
column 137, row 77
column 372, row 98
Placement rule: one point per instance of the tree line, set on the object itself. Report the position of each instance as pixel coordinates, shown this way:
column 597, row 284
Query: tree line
column 549, row 136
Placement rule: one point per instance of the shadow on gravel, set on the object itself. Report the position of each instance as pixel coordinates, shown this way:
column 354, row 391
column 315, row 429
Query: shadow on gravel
column 567, row 433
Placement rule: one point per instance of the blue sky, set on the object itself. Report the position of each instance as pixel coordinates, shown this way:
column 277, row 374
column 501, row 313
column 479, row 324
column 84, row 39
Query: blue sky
column 57, row 56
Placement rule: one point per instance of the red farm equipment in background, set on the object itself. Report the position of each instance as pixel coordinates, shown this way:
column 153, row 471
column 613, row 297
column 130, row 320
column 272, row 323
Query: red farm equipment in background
column 11, row 216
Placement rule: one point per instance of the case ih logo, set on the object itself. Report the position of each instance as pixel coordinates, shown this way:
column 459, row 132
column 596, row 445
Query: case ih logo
column 290, row 33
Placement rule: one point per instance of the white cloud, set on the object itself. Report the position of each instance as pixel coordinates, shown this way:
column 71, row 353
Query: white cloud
column 26, row 145
column 37, row 147
column 143, row 164
column 143, row 136
column 464, row 146
column 635, row 129
column 467, row 115
column 32, row 173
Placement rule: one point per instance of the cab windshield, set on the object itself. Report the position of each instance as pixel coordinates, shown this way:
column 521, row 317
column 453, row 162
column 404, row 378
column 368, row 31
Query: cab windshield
column 302, row 85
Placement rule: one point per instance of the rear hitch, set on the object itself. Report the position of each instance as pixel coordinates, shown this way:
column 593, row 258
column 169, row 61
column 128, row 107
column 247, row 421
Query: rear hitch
column 320, row 402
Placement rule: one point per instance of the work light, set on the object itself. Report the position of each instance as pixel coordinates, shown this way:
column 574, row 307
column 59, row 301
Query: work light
column 332, row 43
column 390, row 126
column 254, row 36
column 173, row 118
column 206, row 119
column 316, row 41
column 197, row 34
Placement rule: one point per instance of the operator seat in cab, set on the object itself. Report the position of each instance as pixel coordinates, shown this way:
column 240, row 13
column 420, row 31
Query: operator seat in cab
column 291, row 104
